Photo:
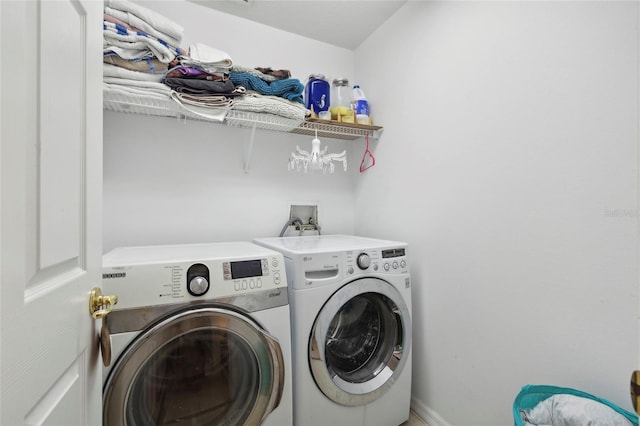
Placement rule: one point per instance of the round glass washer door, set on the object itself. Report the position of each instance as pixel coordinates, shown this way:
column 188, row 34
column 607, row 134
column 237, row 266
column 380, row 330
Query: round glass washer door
column 205, row 365
column 360, row 342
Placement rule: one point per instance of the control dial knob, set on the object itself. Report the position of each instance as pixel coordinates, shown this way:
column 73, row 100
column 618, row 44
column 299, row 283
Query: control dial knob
column 198, row 279
column 198, row 286
column 363, row 261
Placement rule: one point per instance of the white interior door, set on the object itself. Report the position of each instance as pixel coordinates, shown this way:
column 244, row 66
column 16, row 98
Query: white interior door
column 51, row 181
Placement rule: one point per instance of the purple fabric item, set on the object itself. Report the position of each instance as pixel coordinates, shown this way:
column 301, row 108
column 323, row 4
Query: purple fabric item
column 189, row 71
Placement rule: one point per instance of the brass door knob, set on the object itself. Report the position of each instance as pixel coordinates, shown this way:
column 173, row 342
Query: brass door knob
column 99, row 304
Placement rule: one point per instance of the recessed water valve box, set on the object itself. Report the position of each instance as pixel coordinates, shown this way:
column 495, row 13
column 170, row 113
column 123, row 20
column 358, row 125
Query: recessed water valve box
column 304, row 217
column 308, row 214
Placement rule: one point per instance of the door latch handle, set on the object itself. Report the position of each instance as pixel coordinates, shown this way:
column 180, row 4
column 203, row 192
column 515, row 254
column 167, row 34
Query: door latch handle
column 100, row 305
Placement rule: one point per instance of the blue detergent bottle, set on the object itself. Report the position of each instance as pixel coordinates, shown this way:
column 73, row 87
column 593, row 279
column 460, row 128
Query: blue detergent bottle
column 317, row 93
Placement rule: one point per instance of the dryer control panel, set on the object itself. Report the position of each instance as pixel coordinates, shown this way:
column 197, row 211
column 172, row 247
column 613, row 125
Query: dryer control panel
column 208, row 272
column 251, row 274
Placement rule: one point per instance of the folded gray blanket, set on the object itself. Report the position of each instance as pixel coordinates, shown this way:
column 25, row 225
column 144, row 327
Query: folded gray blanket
column 201, row 86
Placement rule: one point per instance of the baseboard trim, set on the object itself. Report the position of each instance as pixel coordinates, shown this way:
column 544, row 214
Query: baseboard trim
column 427, row 414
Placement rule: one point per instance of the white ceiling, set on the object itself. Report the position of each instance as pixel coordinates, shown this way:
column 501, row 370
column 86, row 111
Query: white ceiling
column 344, row 23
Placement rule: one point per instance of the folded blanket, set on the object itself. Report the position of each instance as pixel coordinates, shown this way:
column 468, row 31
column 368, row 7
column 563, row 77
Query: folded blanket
column 127, row 53
column 115, row 20
column 211, row 101
column 109, row 70
column 290, row 88
column 147, row 65
column 136, row 92
column 145, row 19
column 209, row 55
column 254, row 72
column 147, row 86
column 278, row 74
column 202, row 86
column 255, row 102
column 119, row 36
column 188, row 72
column 238, row 91
column 206, row 58
column 214, row 114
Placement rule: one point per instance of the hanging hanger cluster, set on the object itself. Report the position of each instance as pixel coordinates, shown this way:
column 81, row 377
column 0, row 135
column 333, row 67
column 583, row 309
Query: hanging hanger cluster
column 316, row 159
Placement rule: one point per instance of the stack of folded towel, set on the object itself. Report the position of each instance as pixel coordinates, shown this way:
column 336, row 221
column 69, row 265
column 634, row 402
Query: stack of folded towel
column 199, row 82
column 143, row 62
column 138, row 46
column 207, row 83
column 269, row 91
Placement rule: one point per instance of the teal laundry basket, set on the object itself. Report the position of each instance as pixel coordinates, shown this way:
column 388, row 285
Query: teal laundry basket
column 531, row 395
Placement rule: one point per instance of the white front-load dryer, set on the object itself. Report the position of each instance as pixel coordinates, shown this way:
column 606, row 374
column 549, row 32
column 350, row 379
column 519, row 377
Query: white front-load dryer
column 350, row 301
column 200, row 335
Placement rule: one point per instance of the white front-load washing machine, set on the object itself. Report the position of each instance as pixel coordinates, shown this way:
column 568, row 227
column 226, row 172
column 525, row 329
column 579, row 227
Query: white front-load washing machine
column 200, row 336
column 350, row 301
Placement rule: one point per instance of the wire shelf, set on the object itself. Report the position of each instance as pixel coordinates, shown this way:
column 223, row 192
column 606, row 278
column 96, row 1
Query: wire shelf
column 337, row 130
column 236, row 118
column 139, row 105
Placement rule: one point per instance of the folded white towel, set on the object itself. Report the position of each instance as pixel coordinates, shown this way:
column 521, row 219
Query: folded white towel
column 137, row 86
column 132, row 93
column 207, row 58
column 146, row 20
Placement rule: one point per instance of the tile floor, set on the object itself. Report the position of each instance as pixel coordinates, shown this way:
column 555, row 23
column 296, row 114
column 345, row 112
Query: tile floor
column 414, row 420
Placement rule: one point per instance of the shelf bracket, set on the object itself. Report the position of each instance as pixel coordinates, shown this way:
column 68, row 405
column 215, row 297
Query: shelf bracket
column 248, row 148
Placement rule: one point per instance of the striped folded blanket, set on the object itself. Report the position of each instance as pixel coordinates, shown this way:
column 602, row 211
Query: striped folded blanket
column 147, row 20
column 117, row 37
column 289, row 88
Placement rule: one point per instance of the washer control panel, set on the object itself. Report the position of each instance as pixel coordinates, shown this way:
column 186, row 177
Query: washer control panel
column 392, row 260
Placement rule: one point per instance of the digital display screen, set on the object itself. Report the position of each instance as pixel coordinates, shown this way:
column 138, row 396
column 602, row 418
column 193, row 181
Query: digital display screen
column 392, row 253
column 246, row 268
